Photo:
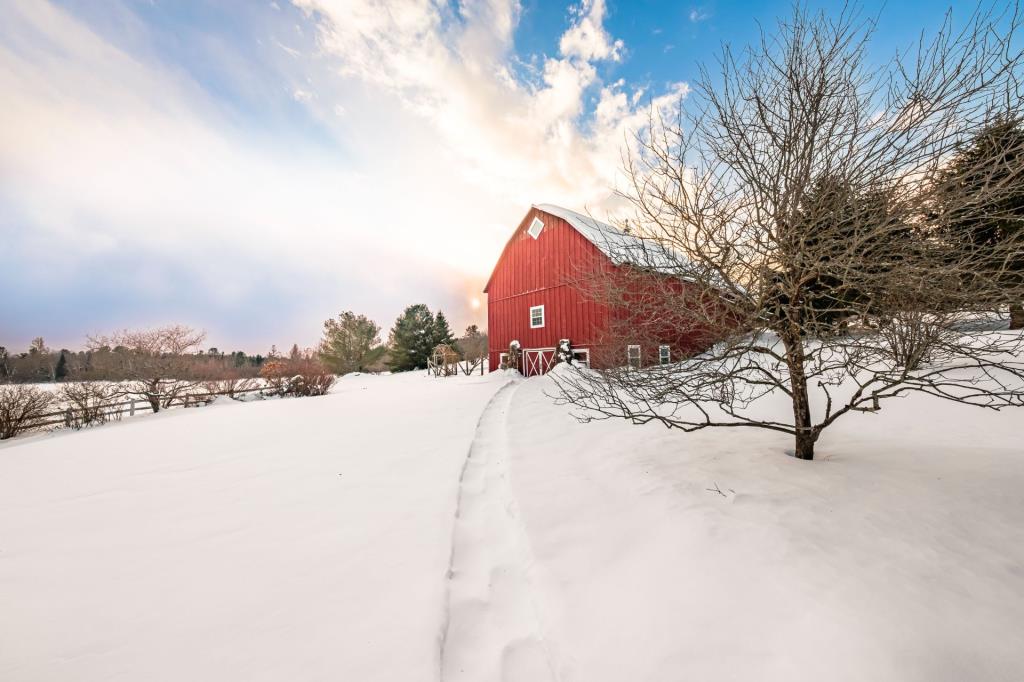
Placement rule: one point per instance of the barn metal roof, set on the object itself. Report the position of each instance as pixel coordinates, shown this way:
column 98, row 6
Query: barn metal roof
column 620, row 247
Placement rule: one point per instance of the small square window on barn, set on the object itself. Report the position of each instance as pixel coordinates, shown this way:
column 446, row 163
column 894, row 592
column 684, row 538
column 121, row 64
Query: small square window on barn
column 664, row 355
column 536, row 316
column 535, row 227
column 633, row 356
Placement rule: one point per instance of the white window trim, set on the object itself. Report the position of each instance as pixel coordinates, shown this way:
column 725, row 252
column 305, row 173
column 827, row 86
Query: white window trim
column 579, row 354
column 629, row 355
column 536, row 227
column 664, row 355
column 542, row 318
column 502, row 359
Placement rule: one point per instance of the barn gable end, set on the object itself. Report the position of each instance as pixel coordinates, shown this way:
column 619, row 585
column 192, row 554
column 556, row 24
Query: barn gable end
column 534, row 272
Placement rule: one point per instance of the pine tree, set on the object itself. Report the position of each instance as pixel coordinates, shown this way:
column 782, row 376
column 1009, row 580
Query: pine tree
column 993, row 167
column 60, row 372
column 350, row 343
column 832, row 214
column 412, row 339
column 442, row 333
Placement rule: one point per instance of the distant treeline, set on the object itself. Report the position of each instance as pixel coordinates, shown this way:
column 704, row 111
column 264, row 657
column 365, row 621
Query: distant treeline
column 350, row 343
column 105, row 363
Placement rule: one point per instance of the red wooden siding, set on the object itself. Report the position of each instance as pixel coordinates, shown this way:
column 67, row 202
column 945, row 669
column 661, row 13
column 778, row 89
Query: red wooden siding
column 538, row 271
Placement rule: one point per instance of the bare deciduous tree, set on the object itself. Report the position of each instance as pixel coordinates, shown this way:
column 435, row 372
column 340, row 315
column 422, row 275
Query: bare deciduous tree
column 788, row 207
column 473, row 346
column 155, row 366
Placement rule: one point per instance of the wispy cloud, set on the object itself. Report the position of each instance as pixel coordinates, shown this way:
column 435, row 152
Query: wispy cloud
column 698, row 14
column 457, row 73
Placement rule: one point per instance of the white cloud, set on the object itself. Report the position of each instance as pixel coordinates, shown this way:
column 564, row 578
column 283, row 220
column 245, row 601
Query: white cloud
column 698, row 14
column 527, row 140
column 586, row 38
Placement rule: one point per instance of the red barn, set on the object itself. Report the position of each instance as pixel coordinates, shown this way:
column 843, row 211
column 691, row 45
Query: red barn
column 532, row 298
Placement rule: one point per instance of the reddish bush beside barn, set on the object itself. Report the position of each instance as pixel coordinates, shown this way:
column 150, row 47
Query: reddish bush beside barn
column 538, row 294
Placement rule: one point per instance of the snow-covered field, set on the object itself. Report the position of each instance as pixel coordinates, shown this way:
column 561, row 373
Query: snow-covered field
column 405, row 528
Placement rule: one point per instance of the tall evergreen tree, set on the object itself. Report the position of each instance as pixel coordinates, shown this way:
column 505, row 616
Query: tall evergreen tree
column 831, row 216
column 350, row 343
column 992, row 167
column 412, row 339
column 442, row 333
column 60, row 372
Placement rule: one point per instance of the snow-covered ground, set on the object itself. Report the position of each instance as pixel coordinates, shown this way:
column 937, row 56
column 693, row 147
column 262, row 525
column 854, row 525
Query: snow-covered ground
column 406, row 528
column 301, row 539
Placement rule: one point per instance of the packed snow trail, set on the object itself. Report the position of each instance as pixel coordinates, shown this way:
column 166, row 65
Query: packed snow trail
column 493, row 630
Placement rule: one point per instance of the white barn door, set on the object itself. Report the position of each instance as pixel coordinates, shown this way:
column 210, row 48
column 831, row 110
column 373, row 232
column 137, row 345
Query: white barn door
column 537, row 361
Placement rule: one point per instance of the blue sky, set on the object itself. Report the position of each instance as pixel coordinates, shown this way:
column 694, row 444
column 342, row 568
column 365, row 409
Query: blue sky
column 253, row 167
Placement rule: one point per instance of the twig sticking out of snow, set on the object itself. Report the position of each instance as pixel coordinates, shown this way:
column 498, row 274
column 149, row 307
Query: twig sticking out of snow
column 716, row 489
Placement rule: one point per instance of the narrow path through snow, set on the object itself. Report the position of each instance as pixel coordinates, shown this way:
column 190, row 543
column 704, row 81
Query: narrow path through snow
column 493, row 629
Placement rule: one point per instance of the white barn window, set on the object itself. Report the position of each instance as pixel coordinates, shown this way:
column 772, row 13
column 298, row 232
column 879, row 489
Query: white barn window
column 536, row 316
column 535, row 227
column 633, row 356
column 664, row 355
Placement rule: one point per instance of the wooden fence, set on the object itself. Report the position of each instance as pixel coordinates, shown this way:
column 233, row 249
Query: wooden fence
column 70, row 416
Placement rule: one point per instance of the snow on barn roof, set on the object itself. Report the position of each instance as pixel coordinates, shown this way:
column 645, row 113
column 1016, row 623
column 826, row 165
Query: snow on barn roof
column 619, row 246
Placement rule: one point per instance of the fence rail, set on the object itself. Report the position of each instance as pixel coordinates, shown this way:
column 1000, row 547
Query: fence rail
column 69, row 416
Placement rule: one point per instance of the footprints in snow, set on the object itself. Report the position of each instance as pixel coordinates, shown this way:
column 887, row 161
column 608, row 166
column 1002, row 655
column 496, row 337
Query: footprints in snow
column 493, row 631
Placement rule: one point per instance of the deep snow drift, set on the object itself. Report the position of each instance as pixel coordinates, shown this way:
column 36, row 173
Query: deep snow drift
column 406, row 528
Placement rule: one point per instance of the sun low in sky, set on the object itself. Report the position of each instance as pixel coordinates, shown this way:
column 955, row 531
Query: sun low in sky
column 252, row 167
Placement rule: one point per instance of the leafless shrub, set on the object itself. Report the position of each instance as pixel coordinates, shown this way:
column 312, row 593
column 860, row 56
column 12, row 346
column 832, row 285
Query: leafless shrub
column 276, row 374
column 87, row 402
column 790, row 216
column 229, row 381
column 311, row 384
column 311, row 378
column 22, row 408
column 301, row 375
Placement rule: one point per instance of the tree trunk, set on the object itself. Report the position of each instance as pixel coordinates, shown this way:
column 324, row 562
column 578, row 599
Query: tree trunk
column 1016, row 316
column 805, row 435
